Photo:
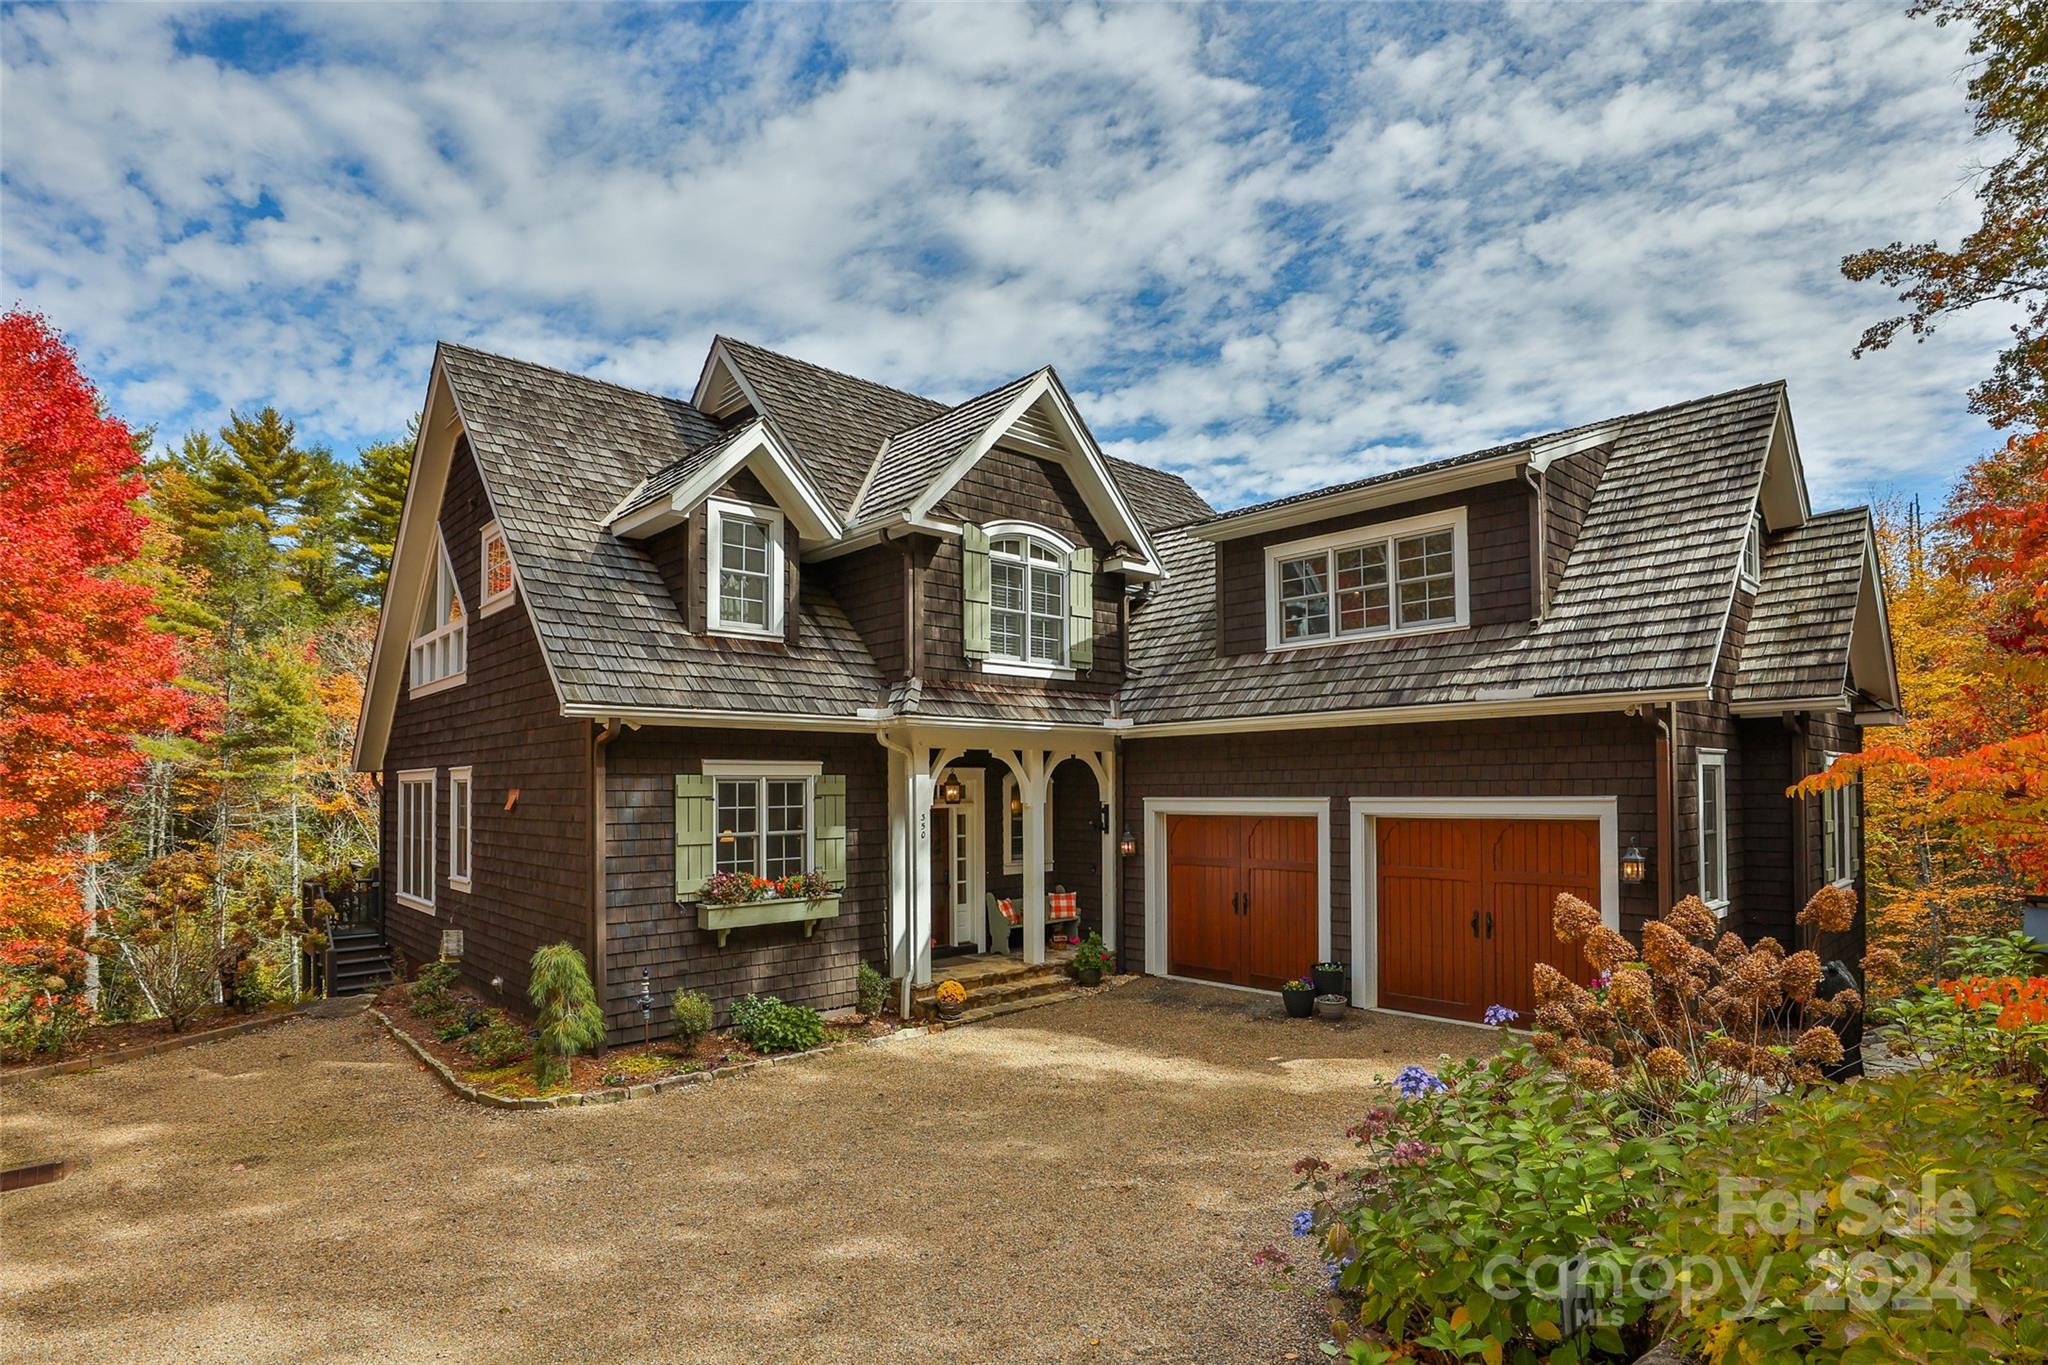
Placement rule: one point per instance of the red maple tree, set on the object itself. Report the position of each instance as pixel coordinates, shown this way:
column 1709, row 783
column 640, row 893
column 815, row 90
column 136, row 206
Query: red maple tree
column 83, row 670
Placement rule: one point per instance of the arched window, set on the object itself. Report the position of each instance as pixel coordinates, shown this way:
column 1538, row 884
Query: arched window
column 1027, row 599
column 440, row 639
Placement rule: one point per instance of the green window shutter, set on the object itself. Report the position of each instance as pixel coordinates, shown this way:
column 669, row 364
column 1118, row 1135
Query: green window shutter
column 694, row 819
column 1081, row 608
column 828, row 827
column 974, row 591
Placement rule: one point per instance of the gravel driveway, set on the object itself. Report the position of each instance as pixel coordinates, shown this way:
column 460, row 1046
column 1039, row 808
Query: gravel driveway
column 1080, row 1182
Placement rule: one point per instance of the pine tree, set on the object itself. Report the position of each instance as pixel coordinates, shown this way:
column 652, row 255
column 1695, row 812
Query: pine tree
column 379, row 497
column 567, row 1019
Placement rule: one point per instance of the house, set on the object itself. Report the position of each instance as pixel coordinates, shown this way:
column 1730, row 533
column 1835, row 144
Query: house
column 806, row 621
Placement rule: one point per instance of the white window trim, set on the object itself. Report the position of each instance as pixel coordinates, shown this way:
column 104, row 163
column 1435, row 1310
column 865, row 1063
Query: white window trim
column 431, row 778
column 486, row 602
column 1716, row 759
column 1002, row 665
column 1013, row 865
column 763, row 772
column 1452, row 519
column 1752, row 578
column 1844, row 829
column 717, row 510
column 466, row 843
column 440, row 564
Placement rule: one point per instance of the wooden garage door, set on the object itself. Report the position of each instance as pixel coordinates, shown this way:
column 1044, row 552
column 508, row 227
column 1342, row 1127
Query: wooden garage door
column 1464, row 909
column 1241, row 897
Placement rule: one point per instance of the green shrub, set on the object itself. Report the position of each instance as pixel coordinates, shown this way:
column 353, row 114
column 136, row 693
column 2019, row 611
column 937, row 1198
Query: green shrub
column 498, row 1041
column 872, row 988
column 1873, row 1270
column 768, row 1025
column 1479, row 1185
column 429, row 994
column 567, row 1020
column 42, row 1008
column 692, row 1010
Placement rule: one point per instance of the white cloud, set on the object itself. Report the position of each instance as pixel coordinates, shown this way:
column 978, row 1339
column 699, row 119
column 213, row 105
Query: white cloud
column 1287, row 246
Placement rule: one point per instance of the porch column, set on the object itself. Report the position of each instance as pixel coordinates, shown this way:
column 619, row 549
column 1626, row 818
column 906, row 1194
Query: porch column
column 1034, row 796
column 923, row 787
column 899, row 862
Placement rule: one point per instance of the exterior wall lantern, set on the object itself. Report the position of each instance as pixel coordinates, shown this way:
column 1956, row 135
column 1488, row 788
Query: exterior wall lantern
column 1016, row 802
column 1128, row 845
column 951, row 791
column 1634, row 867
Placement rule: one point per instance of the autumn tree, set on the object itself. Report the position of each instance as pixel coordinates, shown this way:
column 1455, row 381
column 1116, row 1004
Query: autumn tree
column 2005, row 260
column 83, row 666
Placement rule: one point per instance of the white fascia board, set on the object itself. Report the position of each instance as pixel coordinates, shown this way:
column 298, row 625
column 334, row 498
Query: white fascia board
column 1395, row 490
column 1544, row 453
column 1411, row 715
column 1827, row 705
column 785, row 479
column 1873, row 583
column 638, row 718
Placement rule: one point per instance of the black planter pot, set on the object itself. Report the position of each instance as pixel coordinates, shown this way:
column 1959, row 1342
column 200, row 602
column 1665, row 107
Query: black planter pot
column 1330, row 981
column 1088, row 976
column 1300, row 1004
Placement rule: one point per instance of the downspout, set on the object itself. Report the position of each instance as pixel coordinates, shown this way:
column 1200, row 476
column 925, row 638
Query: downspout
column 598, row 833
column 909, row 892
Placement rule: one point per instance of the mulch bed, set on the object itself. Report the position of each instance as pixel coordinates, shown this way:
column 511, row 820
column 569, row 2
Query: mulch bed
column 635, row 1064
column 101, row 1039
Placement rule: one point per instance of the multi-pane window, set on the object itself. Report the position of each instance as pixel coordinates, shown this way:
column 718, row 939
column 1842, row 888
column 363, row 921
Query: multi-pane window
column 1840, row 826
column 1713, row 818
column 763, row 825
column 458, row 828
column 1367, row 586
column 416, row 838
column 1753, row 552
column 497, row 561
column 746, row 570
column 1027, row 601
column 440, row 636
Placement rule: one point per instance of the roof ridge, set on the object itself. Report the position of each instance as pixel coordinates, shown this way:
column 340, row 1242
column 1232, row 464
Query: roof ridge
column 822, row 369
column 569, row 374
column 950, row 409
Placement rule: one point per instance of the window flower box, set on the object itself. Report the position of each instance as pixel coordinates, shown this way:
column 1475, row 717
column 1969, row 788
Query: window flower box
column 723, row 919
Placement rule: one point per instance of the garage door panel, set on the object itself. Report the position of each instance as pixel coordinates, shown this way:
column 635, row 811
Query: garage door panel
column 1204, row 932
column 1532, row 862
column 1243, row 894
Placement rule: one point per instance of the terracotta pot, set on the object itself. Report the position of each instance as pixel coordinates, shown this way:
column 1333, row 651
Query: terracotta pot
column 1300, row 1004
column 1330, row 1007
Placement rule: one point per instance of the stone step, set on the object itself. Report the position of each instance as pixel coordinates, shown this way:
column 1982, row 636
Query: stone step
column 1002, row 992
column 1013, row 1006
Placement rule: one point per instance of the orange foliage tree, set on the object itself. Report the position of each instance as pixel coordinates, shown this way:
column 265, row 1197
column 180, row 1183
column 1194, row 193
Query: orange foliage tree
column 82, row 665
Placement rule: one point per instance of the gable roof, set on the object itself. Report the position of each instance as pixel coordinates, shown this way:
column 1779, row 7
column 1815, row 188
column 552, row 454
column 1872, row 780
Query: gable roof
column 1639, row 609
column 910, row 460
column 1804, row 617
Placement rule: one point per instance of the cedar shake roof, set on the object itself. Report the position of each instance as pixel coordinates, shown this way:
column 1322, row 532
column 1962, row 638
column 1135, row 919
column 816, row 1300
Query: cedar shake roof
column 670, row 477
column 911, row 460
column 555, row 450
column 1640, row 606
column 1797, row 646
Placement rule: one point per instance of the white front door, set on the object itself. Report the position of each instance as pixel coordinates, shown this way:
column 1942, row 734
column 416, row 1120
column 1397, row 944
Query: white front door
column 965, row 883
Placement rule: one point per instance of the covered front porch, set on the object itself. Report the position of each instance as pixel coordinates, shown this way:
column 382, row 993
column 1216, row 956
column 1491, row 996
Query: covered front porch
column 999, row 839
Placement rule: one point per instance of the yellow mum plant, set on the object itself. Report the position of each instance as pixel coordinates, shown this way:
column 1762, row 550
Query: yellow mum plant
column 952, row 993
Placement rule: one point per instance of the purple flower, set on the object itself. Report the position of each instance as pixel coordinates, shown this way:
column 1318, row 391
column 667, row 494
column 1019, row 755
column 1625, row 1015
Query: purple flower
column 1601, row 980
column 1336, row 1269
column 1414, row 1081
column 1304, row 1223
column 1499, row 1016
column 1411, row 1152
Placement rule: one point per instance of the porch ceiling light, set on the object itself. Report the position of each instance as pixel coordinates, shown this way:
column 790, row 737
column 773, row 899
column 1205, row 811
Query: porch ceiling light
column 1634, row 867
column 951, row 791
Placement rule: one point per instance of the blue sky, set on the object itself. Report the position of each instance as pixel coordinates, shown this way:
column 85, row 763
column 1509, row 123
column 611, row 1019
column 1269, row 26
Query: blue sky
column 1269, row 247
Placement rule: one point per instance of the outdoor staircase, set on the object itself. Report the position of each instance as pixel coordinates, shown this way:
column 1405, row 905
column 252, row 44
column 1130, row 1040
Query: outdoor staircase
column 994, row 985
column 358, row 961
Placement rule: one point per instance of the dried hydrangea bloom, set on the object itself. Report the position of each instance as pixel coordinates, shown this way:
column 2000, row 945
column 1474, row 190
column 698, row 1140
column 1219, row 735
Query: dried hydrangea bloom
column 1832, row 910
column 1692, row 918
column 1591, row 1073
column 1665, row 1063
column 1553, row 1018
column 1725, row 1051
column 1754, row 981
column 1729, row 947
column 1807, row 1074
column 1818, row 1045
column 1606, row 949
column 1769, row 947
column 1549, row 984
column 1846, row 1003
column 1798, row 975
column 1884, row 967
column 1571, row 918
column 1629, row 992
column 1664, row 948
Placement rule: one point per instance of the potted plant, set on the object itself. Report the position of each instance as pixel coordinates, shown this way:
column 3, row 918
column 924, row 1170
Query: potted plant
column 1330, row 978
column 1330, row 1007
column 951, row 999
column 1091, row 960
column 1299, row 995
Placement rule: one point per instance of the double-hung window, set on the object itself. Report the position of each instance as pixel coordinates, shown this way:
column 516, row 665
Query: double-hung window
column 1841, row 817
column 416, row 839
column 459, row 805
column 440, row 637
column 1382, row 580
column 763, row 818
column 1027, row 600
column 1713, row 822
column 744, row 546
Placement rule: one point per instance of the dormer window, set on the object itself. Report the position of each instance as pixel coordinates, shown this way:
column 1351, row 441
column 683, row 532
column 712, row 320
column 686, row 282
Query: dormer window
column 440, row 638
column 1391, row 579
column 498, row 583
column 744, row 545
column 1753, row 552
column 1027, row 601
